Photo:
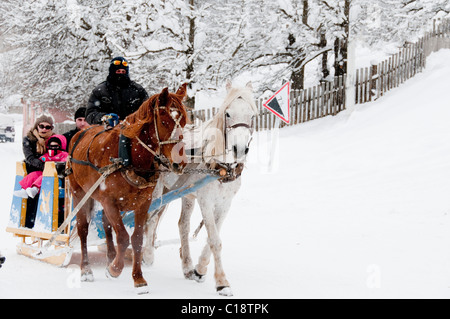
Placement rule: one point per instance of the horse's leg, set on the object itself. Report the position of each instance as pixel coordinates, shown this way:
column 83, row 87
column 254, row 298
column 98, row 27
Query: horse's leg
column 123, row 239
column 151, row 226
column 110, row 250
column 83, row 229
column 140, row 217
column 187, row 207
column 222, row 284
column 213, row 218
column 150, row 231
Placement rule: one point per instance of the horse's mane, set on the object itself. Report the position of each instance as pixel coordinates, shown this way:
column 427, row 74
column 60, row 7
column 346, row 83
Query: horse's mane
column 213, row 130
column 133, row 123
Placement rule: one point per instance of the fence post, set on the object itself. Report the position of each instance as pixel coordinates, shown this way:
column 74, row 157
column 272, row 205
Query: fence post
column 314, row 103
column 373, row 82
column 303, row 108
column 358, row 86
column 366, row 85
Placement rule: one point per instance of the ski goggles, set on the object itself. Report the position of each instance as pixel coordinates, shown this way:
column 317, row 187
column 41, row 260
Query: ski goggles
column 118, row 62
column 54, row 147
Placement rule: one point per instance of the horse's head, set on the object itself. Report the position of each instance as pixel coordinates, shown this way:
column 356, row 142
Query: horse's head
column 238, row 122
column 159, row 123
column 170, row 118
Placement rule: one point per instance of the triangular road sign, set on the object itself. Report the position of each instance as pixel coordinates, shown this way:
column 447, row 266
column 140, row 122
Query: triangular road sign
column 278, row 104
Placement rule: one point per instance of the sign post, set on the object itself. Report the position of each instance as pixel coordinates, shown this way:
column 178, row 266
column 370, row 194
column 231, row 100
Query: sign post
column 278, row 104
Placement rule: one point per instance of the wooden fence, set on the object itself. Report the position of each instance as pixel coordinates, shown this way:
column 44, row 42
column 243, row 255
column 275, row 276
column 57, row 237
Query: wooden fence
column 370, row 83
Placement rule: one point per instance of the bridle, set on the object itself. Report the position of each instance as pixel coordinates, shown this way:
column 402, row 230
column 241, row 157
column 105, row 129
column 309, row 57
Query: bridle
column 172, row 138
column 233, row 170
column 227, row 128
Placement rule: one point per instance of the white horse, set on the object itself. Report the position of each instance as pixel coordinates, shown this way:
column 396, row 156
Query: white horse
column 222, row 141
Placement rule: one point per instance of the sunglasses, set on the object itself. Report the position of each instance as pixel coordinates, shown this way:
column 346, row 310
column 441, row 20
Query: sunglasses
column 117, row 62
column 47, row 127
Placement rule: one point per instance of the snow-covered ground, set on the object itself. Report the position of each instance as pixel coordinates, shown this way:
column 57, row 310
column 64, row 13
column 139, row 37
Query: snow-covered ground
column 358, row 206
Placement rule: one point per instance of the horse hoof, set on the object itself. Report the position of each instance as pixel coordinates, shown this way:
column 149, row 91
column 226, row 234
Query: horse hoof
column 142, row 289
column 87, row 277
column 109, row 275
column 147, row 260
column 194, row 275
column 224, row 291
column 191, row 275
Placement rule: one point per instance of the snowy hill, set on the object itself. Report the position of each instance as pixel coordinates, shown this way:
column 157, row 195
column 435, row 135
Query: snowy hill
column 358, row 206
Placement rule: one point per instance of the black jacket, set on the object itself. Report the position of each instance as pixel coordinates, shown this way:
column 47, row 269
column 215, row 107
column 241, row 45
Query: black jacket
column 32, row 161
column 69, row 134
column 107, row 98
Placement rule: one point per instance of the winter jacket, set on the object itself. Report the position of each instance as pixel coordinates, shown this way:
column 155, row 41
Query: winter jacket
column 107, row 98
column 32, row 161
column 35, row 178
column 62, row 154
column 68, row 135
column 60, row 157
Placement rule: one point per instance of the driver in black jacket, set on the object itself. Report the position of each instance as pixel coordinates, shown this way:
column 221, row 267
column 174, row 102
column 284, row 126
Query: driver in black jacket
column 112, row 100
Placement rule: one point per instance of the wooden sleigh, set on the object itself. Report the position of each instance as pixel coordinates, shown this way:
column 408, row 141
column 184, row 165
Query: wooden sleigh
column 54, row 205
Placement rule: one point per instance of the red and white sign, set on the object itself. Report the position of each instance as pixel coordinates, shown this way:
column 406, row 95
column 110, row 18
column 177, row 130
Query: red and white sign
column 278, row 104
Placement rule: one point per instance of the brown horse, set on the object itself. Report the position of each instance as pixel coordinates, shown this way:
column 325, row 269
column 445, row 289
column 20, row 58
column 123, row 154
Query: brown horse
column 155, row 132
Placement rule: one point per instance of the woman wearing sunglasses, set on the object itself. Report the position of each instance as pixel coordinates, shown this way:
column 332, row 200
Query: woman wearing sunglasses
column 34, row 143
column 34, row 146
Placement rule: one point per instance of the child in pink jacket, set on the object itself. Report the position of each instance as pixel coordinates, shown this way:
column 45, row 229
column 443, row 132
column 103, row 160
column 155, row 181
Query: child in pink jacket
column 31, row 184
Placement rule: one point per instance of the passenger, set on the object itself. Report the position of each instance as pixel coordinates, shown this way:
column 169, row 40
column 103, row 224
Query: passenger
column 80, row 122
column 34, row 143
column 31, row 183
column 114, row 99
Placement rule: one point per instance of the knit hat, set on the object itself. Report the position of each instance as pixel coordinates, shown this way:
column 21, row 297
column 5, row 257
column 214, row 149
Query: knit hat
column 120, row 80
column 81, row 112
column 44, row 118
column 34, row 135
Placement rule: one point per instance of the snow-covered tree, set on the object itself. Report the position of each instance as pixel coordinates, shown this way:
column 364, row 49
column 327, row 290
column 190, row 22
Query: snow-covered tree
column 58, row 50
